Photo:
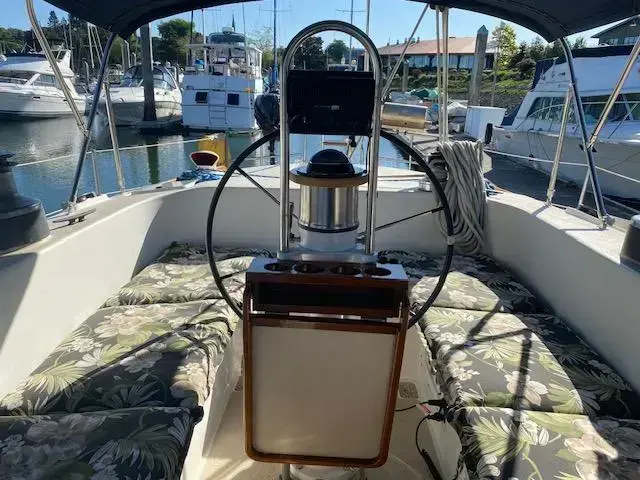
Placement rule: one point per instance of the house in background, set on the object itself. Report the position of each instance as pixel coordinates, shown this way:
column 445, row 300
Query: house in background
column 423, row 54
column 623, row 33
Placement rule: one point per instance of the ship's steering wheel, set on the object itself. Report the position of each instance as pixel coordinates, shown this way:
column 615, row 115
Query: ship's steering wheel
column 402, row 145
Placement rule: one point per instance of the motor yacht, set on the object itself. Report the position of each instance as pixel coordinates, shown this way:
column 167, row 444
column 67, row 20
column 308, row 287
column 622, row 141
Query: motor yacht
column 128, row 97
column 29, row 89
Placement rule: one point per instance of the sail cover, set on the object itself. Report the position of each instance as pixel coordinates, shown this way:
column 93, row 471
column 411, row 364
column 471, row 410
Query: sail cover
column 551, row 19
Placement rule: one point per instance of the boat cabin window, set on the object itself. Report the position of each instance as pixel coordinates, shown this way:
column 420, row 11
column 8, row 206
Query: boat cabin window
column 161, row 79
column 15, row 76
column 45, row 80
column 550, row 108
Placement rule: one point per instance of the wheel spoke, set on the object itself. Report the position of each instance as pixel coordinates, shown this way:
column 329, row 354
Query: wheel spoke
column 396, row 222
column 262, row 189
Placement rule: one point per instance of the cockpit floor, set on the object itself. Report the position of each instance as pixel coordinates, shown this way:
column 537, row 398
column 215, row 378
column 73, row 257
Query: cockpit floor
column 226, row 459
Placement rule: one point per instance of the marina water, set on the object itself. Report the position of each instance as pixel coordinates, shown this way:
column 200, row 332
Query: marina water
column 146, row 159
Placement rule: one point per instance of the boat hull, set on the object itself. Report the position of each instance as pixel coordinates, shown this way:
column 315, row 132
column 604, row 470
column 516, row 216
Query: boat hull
column 132, row 113
column 617, row 157
column 19, row 105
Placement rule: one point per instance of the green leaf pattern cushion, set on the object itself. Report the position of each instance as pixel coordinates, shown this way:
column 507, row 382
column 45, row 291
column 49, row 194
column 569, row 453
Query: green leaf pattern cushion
column 473, row 283
column 136, row 443
column 501, row 443
column 130, row 356
column 532, row 362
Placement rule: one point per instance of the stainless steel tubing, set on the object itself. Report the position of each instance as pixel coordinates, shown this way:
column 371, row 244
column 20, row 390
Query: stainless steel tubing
column 285, row 215
column 597, row 192
column 111, row 118
column 556, row 160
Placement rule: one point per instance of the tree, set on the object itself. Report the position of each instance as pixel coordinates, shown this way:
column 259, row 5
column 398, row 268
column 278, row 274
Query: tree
column 526, row 67
column 310, row 55
column 53, row 20
column 536, row 49
column 554, row 50
column 263, row 38
column 520, row 55
column 172, row 44
column 337, row 50
column 579, row 42
column 504, row 39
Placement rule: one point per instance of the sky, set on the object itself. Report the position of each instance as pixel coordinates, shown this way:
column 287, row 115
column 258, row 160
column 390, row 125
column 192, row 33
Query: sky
column 390, row 20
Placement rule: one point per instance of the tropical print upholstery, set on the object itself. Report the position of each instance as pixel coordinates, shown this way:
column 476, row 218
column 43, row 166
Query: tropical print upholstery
column 509, row 444
column 182, row 274
column 130, row 356
column 532, row 362
column 474, row 283
column 136, row 443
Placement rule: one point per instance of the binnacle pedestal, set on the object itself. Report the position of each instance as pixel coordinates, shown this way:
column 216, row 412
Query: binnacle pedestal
column 323, row 346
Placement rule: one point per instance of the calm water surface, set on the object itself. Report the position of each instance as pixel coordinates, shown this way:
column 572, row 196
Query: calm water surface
column 50, row 181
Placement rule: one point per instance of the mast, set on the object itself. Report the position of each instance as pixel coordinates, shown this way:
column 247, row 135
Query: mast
column 274, row 74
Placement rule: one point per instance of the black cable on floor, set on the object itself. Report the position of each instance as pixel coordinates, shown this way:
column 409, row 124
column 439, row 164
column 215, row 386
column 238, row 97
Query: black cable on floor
column 433, row 470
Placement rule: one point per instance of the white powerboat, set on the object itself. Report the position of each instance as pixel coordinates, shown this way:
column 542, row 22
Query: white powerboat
column 28, row 88
column 221, row 86
column 534, row 130
column 128, row 97
column 383, row 326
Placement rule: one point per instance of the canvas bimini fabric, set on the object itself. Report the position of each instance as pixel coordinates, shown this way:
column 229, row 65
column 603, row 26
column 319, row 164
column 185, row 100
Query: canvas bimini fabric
column 551, row 19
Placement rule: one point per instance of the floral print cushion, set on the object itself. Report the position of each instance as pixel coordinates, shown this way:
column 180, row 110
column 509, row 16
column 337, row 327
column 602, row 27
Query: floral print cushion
column 136, row 443
column 499, row 443
column 532, row 362
column 130, row 356
column 182, row 274
column 474, row 283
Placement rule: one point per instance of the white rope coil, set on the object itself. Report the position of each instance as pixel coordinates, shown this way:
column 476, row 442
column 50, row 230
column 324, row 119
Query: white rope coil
column 461, row 165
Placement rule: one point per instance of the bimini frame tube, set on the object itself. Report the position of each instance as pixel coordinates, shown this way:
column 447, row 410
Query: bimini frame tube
column 372, row 164
column 597, row 193
column 73, row 196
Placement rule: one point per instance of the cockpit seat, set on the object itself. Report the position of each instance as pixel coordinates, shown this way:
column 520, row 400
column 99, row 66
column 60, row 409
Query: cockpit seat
column 522, row 361
column 163, row 354
column 182, row 274
column 474, row 282
column 501, row 443
column 527, row 397
column 135, row 443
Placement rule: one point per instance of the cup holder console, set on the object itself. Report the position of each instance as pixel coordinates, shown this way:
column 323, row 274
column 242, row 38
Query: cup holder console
column 278, row 267
column 377, row 271
column 308, row 268
column 346, row 270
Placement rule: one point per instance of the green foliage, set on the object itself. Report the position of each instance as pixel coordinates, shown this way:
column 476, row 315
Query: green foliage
column 53, row 20
column 520, row 55
column 504, row 38
column 337, row 50
column 536, row 49
column 174, row 36
column 526, row 66
column 580, row 42
column 310, row 55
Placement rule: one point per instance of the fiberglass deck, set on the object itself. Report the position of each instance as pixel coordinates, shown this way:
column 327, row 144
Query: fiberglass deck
column 121, row 395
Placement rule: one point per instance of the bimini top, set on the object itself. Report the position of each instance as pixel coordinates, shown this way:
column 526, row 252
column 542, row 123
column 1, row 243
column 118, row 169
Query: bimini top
column 551, row 19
